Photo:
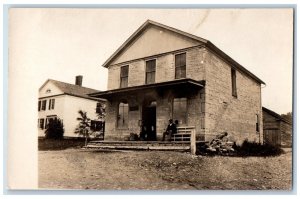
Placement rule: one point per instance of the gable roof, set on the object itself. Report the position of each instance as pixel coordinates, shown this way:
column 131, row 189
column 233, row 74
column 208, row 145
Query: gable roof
column 73, row 90
column 207, row 43
column 274, row 114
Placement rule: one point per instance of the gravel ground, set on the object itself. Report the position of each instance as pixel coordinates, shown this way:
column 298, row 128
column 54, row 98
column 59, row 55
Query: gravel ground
column 158, row 170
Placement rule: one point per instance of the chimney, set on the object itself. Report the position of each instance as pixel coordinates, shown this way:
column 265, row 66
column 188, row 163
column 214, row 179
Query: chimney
column 78, row 80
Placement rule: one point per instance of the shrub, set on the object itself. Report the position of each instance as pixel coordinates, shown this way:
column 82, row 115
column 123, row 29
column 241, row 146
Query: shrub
column 55, row 129
column 257, row 149
column 246, row 149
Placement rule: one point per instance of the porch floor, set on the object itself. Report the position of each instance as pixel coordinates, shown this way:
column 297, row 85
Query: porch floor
column 142, row 145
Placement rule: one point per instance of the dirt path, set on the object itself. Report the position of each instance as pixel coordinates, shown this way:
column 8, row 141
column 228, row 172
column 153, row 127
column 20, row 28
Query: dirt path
column 153, row 170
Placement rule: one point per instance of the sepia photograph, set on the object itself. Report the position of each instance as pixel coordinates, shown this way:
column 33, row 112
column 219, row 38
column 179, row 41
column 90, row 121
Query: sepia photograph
column 194, row 99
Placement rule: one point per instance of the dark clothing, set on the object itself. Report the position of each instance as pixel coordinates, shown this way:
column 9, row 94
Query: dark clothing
column 172, row 127
column 171, row 130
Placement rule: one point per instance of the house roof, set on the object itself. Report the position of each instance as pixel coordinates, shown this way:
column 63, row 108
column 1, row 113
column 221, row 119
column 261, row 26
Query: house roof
column 207, row 43
column 186, row 84
column 73, row 90
column 276, row 115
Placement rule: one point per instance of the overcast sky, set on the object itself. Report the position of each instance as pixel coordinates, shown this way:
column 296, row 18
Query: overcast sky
column 62, row 43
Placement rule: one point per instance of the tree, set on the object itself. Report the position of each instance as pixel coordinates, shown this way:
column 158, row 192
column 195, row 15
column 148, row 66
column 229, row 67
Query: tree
column 288, row 116
column 55, row 129
column 83, row 127
column 100, row 110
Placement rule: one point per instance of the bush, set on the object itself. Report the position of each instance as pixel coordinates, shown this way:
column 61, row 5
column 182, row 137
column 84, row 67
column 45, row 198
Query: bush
column 257, row 149
column 246, row 149
column 55, row 129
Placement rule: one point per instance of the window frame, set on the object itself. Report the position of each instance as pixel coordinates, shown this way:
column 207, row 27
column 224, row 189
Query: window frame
column 122, row 77
column 186, row 110
column 150, row 72
column 257, row 124
column 180, row 66
column 118, row 113
column 42, row 121
column 44, row 105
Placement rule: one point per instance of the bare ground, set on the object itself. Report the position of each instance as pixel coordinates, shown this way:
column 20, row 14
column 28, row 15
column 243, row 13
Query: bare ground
column 158, row 170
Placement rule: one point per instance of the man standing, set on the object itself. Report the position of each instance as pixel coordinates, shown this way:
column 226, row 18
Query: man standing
column 171, row 129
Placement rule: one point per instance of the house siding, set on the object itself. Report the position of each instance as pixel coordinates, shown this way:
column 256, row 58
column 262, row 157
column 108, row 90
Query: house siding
column 211, row 110
column 58, row 110
column 165, row 71
column 165, row 68
column 223, row 112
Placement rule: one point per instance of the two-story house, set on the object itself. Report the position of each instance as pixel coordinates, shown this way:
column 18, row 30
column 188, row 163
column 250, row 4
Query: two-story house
column 161, row 73
column 63, row 100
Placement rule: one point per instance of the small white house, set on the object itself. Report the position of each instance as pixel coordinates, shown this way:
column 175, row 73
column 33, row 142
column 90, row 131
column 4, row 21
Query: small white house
column 63, row 100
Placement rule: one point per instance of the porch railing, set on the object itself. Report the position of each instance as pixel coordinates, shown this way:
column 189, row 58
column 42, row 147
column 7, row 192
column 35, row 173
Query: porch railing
column 185, row 132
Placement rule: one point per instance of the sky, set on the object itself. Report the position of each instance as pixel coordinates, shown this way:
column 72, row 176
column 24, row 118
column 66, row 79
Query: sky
column 62, row 43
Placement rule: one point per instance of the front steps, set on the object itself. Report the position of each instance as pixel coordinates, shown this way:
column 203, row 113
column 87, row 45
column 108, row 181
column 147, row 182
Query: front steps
column 140, row 145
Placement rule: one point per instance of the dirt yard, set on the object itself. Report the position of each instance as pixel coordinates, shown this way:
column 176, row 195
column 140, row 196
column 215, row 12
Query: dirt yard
column 158, row 170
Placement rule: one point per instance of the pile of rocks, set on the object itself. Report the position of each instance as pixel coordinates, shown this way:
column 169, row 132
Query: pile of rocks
column 220, row 144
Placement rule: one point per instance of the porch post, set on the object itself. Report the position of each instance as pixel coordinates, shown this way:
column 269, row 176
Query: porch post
column 193, row 142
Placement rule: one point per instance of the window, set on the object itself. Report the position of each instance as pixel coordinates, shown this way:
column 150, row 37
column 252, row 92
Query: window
column 180, row 66
column 233, row 83
column 122, row 120
column 44, row 102
column 150, row 71
column 51, row 104
column 96, row 125
column 41, row 125
column 39, row 107
column 180, row 110
column 48, row 120
column 98, row 107
column 257, row 123
column 124, row 76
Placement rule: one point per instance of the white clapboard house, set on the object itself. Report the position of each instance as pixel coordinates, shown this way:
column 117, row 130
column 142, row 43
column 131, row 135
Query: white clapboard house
column 63, row 100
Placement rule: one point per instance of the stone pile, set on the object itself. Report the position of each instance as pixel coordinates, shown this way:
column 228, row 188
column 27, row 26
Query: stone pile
column 220, row 144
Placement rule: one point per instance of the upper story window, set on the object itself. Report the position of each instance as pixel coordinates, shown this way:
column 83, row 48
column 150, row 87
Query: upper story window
column 51, row 104
column 42, row 105
column 98, row 107
column 233, row 82
column 124, row 76
column 180, row 66
column 122, row 120
column 150, row 71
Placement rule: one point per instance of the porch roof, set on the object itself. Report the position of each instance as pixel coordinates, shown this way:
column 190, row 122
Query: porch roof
column 186, row 83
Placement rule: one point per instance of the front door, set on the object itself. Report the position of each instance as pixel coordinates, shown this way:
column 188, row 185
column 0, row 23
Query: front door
column 149, row 122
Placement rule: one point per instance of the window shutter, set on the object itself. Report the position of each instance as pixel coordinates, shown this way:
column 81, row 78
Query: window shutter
column 53, row 103
column 39, row 107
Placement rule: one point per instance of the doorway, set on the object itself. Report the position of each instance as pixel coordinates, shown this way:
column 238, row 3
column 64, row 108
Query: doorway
column 149, row 121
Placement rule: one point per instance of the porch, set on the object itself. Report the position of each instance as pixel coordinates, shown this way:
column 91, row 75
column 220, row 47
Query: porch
column 184, row 146
column 146, row 109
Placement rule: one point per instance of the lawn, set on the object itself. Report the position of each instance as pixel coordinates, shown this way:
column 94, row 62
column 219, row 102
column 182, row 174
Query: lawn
column 159, row 170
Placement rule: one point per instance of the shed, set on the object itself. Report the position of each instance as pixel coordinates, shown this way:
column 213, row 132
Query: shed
column 276, row 129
